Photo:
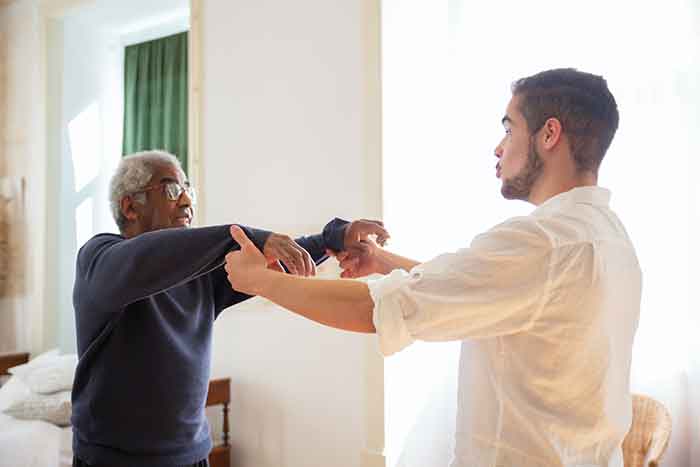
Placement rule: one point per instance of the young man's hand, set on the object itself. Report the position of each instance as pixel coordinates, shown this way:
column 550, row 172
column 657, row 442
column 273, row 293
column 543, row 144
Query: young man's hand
column 245, row 267
column 358, row 257
column 360, row 230
column 361, row 259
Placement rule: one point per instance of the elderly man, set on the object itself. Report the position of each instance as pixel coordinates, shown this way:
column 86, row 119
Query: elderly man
column 546, row 305
column 145, row 302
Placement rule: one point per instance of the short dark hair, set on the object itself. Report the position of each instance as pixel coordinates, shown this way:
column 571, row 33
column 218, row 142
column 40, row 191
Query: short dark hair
column 581, row 102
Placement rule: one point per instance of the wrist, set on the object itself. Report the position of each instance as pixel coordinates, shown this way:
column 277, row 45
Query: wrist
column 263, row 281
column 334, row 234
column 384, row 262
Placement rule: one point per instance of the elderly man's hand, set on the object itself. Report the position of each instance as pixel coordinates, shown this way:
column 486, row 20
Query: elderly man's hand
column 279, row 247
column 246, row 267
column 360, row 230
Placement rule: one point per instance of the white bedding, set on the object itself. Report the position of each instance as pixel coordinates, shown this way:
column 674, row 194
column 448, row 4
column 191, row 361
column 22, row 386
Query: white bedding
column 31, row 443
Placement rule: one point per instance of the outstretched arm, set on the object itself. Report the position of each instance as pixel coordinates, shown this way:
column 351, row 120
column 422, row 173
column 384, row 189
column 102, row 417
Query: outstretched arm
column 497, row 286
column 336, row 236
column 122, row 271
column 365, row 257
column 338, row 303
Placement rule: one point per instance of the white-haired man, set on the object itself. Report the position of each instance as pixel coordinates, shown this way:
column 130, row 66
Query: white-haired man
column 145, row 302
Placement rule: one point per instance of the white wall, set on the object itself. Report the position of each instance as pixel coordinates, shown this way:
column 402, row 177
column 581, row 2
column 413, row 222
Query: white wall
column 287, row 145
column 25, row 171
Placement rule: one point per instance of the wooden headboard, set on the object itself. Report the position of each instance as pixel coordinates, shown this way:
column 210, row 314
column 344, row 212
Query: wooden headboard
column 8, row 360
column 219, row 394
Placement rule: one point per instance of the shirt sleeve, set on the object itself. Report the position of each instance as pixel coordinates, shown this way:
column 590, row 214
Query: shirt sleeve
column 495, row 287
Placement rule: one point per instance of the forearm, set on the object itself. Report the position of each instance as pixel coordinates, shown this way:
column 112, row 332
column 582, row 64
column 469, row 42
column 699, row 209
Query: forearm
column 342, row 304
column 389, row 261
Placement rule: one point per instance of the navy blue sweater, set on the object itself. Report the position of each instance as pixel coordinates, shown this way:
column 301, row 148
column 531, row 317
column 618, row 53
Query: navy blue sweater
column 144, row 311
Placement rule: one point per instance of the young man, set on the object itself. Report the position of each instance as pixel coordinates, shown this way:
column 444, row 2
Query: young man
column 145, row 303
column 546, row 305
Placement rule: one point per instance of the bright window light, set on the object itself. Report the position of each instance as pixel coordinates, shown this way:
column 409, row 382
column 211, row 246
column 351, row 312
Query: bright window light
column 84, row 222
column 84, row 133
column 447, row 66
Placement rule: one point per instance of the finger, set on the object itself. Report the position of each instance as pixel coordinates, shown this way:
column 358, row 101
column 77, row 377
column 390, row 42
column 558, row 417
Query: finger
column 284, row 259
column 289, row 264
column 275, row 266
column 350, row 263
column 374, row 221
column 312, row 265
column 300, row 255
column 330, row 252
column 367, row 228
column 295, row 257
column 347, row 274
column 241, row 238
column 378, row 230
column 306, row 260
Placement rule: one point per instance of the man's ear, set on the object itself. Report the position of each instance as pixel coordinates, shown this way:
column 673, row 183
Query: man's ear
column 127, row 205
column 552, row 132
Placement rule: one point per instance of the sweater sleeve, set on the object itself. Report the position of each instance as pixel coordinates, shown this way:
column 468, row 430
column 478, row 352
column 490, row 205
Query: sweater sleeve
column 332, row 238
column 122, row 271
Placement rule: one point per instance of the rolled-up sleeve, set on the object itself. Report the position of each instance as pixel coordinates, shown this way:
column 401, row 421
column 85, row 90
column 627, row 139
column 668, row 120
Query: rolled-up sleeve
column 495, row 287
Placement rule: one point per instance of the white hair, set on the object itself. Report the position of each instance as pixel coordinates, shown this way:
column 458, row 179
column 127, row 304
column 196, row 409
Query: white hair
column 134, row 173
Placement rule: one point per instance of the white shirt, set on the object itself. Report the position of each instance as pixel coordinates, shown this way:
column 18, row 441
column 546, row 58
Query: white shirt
column 547, row 306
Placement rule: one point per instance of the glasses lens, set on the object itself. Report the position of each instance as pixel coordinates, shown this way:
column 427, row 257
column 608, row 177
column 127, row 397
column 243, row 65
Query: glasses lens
column 173, row 191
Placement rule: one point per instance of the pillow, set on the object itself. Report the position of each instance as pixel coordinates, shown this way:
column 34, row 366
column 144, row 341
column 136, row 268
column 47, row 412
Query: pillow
column 54, row 408
column 12, row 391
column 48, row 373
column 55, row 377
column 36, row 362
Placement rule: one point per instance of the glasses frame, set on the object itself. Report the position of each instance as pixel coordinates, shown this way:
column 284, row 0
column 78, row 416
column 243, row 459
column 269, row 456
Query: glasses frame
column 173, row 190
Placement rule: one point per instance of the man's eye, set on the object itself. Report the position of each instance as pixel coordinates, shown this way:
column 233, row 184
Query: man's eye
column 509, row 131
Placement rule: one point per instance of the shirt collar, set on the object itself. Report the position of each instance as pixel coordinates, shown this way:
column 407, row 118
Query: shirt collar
column 593, row 195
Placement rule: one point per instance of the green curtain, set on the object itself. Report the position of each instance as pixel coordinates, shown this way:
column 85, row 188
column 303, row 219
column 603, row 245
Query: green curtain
column 155, row 96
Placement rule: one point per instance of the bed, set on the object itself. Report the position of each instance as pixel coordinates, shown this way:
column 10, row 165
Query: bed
column 25, row 443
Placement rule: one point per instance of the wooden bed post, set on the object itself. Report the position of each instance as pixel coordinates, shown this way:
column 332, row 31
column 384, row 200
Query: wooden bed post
column 225, row 430
column 220, row 394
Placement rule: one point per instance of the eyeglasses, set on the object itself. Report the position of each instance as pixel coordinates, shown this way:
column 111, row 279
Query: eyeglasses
column 173, row 190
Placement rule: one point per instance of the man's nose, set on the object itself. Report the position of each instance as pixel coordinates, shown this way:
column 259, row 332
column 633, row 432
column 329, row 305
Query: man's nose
column 498, row 152
column 184, row 199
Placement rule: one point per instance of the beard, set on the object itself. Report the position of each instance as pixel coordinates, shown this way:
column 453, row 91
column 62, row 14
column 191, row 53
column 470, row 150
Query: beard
column 520, row 185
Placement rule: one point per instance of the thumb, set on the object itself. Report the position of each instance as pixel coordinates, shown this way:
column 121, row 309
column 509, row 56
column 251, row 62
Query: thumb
column 241, row 238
